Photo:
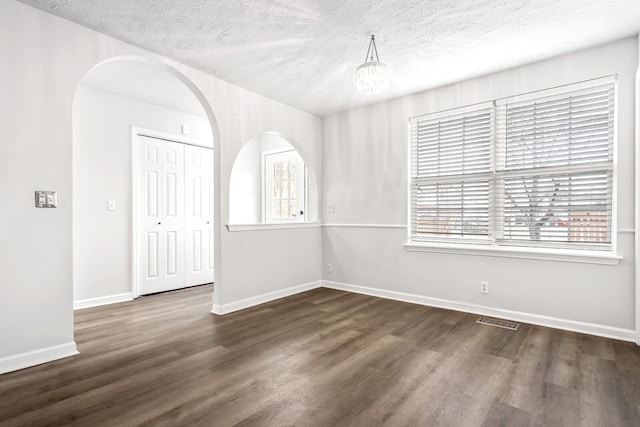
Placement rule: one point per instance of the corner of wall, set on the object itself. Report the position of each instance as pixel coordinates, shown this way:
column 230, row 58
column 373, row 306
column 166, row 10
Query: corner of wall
column 37, row 357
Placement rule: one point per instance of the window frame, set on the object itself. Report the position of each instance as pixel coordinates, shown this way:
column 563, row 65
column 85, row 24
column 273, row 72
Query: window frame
column 493, row 246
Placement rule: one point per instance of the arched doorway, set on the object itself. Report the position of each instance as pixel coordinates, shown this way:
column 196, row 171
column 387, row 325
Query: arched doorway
column 116, row 101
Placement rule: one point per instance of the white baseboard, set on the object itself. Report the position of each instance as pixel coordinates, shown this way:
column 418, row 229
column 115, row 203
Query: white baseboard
column 95, row 302
column 37, row 357
column 534, row 319
column 381, row 293
column 261, row 299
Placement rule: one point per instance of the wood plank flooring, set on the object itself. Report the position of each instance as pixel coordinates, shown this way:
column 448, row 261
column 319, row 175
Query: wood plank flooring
column 321, row 358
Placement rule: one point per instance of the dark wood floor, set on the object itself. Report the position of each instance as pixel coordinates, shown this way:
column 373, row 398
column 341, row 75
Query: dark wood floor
column 322, row 358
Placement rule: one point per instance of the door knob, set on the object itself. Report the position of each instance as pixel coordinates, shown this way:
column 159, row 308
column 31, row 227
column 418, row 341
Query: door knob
column 159, row 223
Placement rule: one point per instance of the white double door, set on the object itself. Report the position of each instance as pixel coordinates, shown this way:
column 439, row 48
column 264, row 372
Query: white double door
column 175, row 215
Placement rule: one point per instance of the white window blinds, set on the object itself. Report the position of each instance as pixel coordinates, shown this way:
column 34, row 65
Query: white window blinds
column 534, row 170
column 451, row 173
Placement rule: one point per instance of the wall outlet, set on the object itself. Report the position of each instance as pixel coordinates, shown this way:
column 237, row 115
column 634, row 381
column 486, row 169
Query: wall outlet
column 329, row 268
column 46, row 199
column 331, row 207
column 484, row 287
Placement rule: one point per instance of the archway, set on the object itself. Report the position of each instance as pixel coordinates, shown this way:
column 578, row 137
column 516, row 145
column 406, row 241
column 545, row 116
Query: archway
column 114, row 99
column 251, row 190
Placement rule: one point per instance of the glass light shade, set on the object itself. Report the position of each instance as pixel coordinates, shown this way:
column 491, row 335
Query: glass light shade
column 373, row 77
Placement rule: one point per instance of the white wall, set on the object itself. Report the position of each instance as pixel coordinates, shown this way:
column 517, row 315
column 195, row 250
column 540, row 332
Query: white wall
column 43, row 60
column 102, row 124
column 365, row 175
column 245, row 195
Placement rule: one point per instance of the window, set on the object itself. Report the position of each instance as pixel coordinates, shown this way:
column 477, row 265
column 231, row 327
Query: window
column 285, row 186
column 533, row 170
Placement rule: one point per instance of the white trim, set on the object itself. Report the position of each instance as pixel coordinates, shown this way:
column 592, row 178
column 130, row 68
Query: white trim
column 37, row 357
column 545, row 254
column 559, row 91
column 380, row 293
column 261, row 299
column 614, row 171
column 95, row 302
column 260, row 227
column 135, row 292
column 180, row 139
column 626, row 230
column 637, row 201
column 398, row 226
column 534, row 319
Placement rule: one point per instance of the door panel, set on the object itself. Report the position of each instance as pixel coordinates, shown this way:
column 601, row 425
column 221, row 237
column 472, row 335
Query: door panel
column 153, row 194
column 152, row 255
column 197, row 250
column 161, row 202
column 199, row 218
column 172, row 253
column 196, row 188
column 172, row 195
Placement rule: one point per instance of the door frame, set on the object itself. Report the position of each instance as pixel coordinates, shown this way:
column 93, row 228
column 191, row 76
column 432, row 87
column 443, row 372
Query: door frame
column 137, row 132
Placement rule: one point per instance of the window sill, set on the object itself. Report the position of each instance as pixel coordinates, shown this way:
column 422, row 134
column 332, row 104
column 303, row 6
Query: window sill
column 560, row 255
column 260, row 227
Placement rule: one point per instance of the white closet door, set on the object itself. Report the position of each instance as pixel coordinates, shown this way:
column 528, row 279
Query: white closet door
column 162, row 217
column 199, row 215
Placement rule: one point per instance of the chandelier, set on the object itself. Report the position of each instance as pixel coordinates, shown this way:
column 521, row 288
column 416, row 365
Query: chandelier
column 372, row 77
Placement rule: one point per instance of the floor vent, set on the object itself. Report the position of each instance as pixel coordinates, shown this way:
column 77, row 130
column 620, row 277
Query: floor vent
column 499, row 323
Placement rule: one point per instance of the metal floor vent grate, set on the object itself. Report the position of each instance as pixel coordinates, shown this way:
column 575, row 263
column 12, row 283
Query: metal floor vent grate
column 499, row 323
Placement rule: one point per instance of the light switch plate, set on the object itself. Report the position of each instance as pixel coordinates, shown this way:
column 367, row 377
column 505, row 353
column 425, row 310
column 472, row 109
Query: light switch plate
column 46, row 199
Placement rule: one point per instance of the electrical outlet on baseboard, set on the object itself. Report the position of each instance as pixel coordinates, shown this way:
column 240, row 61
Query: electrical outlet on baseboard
column 484, row 287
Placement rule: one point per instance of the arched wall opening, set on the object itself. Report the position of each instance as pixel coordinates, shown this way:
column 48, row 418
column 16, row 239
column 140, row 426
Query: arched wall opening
column 113, row 99
column 250, row 201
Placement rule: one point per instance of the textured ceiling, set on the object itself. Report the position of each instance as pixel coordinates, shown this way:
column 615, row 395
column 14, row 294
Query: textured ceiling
column 304, row 52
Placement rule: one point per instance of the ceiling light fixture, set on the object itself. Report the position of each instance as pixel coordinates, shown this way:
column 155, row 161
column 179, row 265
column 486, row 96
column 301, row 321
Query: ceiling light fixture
column 372, row 77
